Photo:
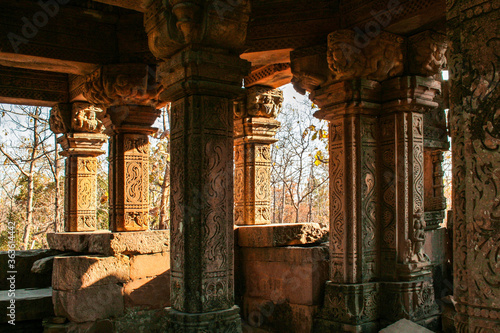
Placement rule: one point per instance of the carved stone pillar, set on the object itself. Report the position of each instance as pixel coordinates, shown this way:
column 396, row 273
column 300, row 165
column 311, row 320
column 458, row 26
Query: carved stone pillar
column 129, row 94
column 254, row 129
column 201, row 74
column 81, row 142
column 475, row 131
column 402, row 188
column 349, row 97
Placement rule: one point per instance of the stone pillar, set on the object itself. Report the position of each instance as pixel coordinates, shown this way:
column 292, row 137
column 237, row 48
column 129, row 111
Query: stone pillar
column 475, row 131
column 129, row 93
column 81, row 142
column 407, row 290
column 378, row 268
column 202, row 74
column 254, row 129
column 351, row 101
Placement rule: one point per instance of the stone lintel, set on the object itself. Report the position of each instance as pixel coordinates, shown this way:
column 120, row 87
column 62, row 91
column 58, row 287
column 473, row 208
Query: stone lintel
column 274, row 75
column 274, row 235
column 111, row 243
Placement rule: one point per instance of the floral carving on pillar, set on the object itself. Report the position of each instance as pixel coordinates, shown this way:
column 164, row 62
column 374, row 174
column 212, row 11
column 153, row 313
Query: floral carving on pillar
column 254, row 130
column 81, row 142
column 475, row 130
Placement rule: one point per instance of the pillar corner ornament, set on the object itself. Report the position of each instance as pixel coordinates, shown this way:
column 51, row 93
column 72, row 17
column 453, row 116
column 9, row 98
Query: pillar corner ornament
column 427, row 53
column 174, row 24
column 351, row 55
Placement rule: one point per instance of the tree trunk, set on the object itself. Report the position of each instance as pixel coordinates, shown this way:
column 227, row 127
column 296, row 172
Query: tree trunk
column 29, row 213
column 57, row 199
column 164, row 201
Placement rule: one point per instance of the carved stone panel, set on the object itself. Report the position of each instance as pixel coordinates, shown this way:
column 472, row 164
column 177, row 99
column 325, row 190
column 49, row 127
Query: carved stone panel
column 129, row 170
column 475, row 129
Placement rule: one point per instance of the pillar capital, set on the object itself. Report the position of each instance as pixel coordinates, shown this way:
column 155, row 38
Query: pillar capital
column 172, row 25
column 122, row 84
column 77, row 117
column 309, row 68
column 202, row 71
column 260, row 101
column 351, row 55
column 427, row 53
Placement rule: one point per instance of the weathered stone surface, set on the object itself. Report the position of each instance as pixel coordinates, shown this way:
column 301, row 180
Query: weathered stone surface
column 89, row 304
column 405, row 325
column 149, row 265
column 153, row 293
column 24, row 262
column 214, row 321
column 72, row 273
column 277, row 274
column 107, row 243
column 281, row 235
column 281, row 316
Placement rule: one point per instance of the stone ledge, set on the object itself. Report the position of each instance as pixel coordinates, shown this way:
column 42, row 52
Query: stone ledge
column 273, row 235
column 111, row 243
column 31, row 304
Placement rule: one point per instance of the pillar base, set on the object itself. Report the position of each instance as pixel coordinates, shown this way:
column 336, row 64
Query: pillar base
column 349, row 308
column 412, row 300
column 323, row 325
column 218, row 321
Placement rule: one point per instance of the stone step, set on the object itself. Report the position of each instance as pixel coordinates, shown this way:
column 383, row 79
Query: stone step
column 31, row 304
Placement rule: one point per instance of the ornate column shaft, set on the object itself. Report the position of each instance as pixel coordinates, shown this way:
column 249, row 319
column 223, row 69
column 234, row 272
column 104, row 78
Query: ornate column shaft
column 81, row 142
column 201, row 74
column 128, row 92
column 254, row 129
column 350, row 99
column 407, row 270
column 475, row 130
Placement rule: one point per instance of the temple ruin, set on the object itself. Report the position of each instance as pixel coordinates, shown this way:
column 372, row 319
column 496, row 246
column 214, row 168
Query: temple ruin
column 374, row 69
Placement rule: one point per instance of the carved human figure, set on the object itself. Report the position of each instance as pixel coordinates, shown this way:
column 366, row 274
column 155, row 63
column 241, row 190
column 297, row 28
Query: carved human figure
column 428, row 53
column 418, row 238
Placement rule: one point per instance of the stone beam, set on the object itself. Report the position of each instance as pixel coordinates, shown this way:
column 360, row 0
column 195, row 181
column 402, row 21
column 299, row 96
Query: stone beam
column 30, row 87
column 61, row 38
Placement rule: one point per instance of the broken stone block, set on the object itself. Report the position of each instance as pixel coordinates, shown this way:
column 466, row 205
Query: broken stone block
column 72, row 273
column 274, row 235
column 111, row 243
column 149, row 265
column 89, row 304
column 404, row 325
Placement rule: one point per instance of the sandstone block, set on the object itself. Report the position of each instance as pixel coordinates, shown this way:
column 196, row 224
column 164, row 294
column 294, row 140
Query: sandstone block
column 273, row 235
column 72, row 273
column 149, row 265
column 111, row 243
column 89, row 304
column 279, row 316
column 153, row 293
